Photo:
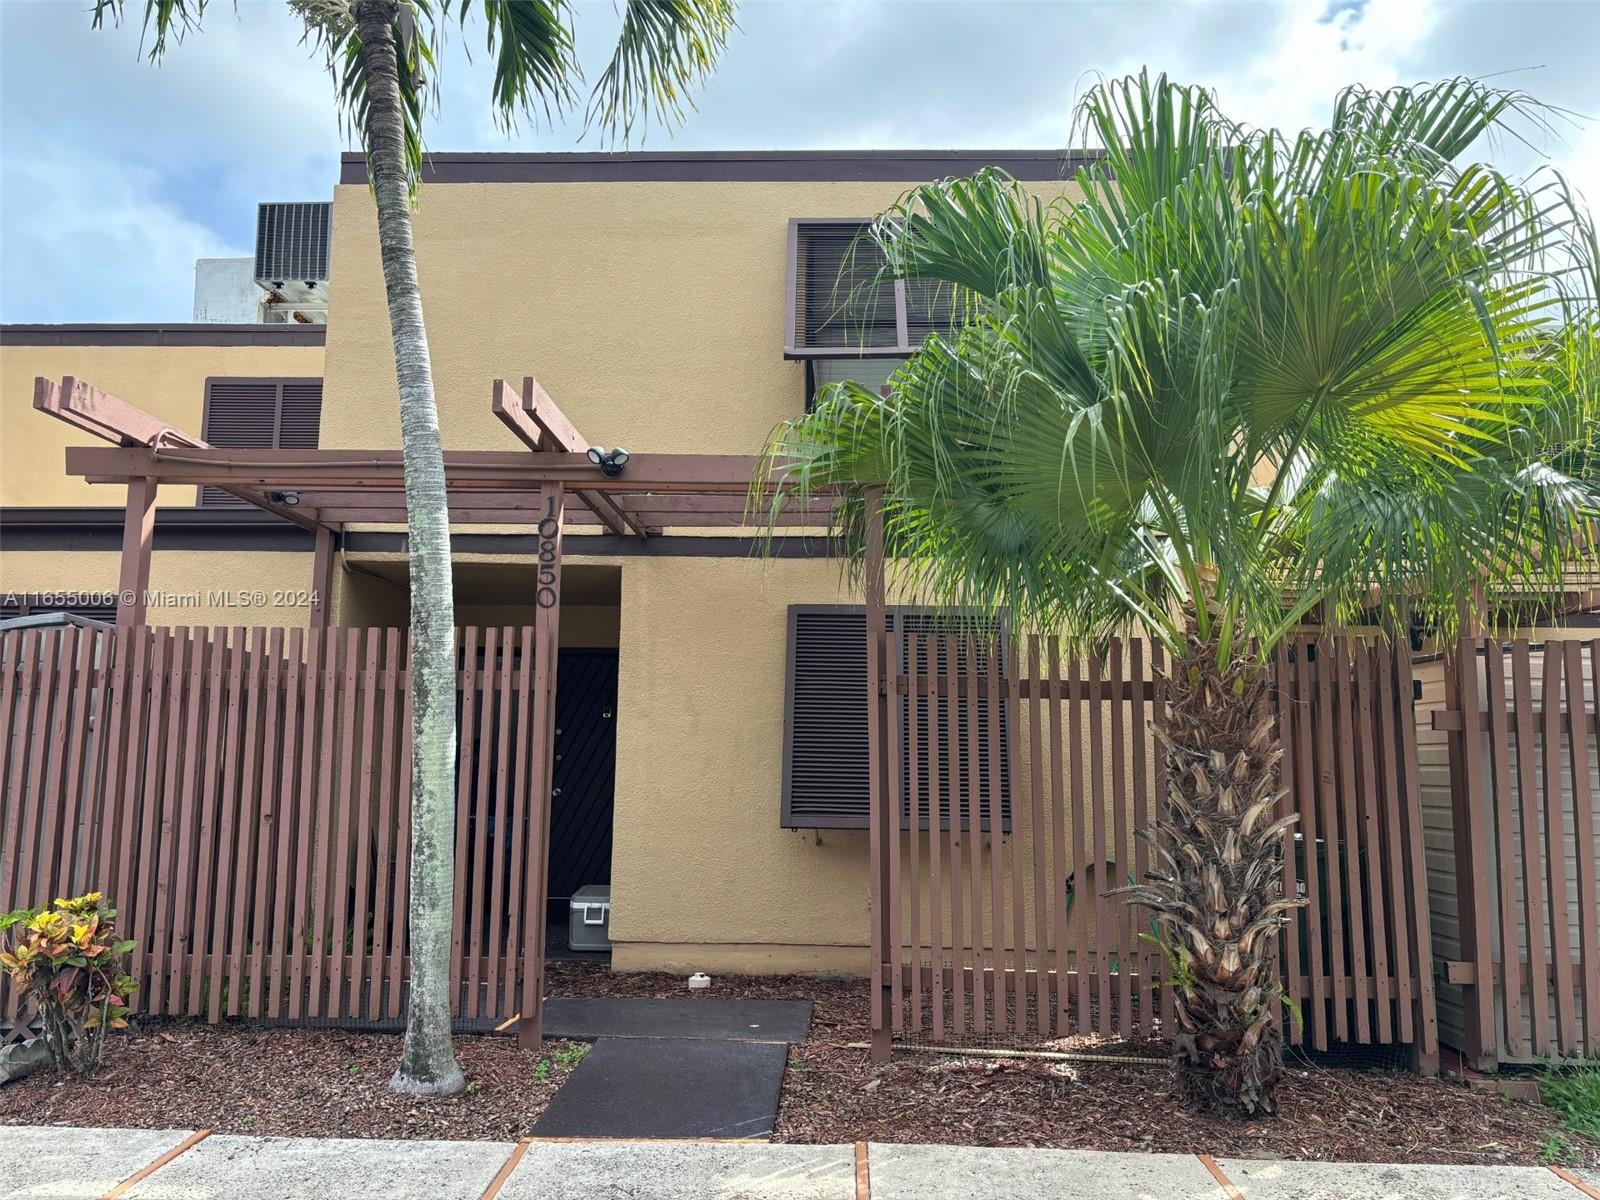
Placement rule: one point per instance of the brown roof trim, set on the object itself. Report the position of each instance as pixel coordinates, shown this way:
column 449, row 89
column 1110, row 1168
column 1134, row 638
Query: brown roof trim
column 703, row 166
column 196, row 334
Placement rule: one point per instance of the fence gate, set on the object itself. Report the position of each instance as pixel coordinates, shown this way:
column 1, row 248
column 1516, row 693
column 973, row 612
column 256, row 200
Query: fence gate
column 244, row 797
column 1010, row 784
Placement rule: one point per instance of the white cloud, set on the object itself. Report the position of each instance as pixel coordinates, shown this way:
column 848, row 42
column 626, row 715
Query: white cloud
column 94, row 138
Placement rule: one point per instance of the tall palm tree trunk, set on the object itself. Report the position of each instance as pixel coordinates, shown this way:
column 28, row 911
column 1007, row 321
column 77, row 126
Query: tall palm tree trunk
column 1216, row 893
column 427, row 1065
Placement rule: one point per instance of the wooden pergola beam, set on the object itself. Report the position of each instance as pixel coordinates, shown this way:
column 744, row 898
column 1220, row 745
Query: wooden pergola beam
column 539, row 424
column 465, row 470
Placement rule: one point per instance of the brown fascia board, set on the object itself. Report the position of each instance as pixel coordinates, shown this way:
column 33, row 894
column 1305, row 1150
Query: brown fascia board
column 702, row 166
column 196, row 334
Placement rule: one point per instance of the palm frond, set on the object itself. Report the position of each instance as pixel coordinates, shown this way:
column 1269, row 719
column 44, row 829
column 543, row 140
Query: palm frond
column 665, row 48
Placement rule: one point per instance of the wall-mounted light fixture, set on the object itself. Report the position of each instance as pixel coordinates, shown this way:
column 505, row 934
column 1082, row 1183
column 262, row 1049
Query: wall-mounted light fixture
column 610, row 462
column 289, row 498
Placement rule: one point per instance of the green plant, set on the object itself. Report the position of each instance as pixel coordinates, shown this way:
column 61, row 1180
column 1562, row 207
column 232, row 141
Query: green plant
column 1555, row 1149
column 1242, row 382
column 1573, row 1090
column 65, row 958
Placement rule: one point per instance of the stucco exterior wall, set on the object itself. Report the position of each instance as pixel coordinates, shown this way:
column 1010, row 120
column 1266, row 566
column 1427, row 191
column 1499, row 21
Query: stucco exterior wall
column 167, row 381
column 188, row 587
column 653, row 313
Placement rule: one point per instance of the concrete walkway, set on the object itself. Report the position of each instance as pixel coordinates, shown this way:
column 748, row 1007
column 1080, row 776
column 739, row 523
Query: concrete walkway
column 179, row 1164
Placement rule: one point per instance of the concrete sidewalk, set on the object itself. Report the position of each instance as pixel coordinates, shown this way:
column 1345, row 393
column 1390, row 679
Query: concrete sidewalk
column 179, row 1164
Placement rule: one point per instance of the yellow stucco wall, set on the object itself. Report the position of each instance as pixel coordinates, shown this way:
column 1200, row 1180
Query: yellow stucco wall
column 166, row 381
column 188, row 587
column 653, row 313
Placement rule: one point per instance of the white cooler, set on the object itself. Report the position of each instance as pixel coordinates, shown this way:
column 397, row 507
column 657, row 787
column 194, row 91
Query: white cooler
column 590, row 918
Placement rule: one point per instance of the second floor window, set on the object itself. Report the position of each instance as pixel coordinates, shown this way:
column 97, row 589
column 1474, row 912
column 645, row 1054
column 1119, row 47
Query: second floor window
column 259, row 414
column 840, row 303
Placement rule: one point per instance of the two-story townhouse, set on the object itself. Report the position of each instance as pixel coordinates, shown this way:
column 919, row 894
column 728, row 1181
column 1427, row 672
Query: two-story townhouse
column 670, row 303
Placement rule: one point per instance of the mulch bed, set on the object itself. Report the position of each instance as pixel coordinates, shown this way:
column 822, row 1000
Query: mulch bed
column 240, row 1079
column 832, row 1093
column 291, row 1082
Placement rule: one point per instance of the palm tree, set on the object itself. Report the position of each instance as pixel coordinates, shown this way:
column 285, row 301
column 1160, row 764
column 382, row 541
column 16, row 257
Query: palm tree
column 381, row 54
column 1248, row 380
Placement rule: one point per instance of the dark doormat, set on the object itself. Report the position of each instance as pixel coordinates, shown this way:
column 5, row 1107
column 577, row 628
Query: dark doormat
column 669, row 1088
column 679, row 1017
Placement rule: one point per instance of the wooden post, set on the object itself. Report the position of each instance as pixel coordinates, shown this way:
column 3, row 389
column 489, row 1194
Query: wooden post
column 138, row 538
column 881, row 826
column 546, row 644
column 322, row 578
column 1473, row 881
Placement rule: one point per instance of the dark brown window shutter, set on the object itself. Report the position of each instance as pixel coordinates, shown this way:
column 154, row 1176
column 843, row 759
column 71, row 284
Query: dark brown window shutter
column 840, row 302
column 259, row 414
column 825, row 722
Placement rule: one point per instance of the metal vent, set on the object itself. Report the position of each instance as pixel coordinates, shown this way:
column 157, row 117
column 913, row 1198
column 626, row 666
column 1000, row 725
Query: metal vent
column 259, row 414
column 292, row 243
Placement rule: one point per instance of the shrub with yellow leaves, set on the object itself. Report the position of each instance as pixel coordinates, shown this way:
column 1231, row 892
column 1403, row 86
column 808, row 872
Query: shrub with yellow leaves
column 65, row 958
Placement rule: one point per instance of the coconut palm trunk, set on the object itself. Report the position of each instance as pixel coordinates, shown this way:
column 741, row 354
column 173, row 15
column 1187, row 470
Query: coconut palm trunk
column 427, row 1065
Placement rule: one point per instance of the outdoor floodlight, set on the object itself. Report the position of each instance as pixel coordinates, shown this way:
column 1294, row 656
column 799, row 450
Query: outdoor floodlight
column 289, row 498
column 610, row 462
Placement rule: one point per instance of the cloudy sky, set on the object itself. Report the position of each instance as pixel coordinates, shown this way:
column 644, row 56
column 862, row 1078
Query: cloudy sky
column 115, row 175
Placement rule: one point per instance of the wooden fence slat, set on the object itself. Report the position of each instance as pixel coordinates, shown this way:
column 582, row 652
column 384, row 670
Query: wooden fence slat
column 1328, row 796
column 338, row 918
column 1346, row 804
column 365, row 981
column 974, row 717
column 1092, row 876
column 34, row 806
column 476, row 881
column 991, row 797
column 11, row 669
column 221, row 845
column 939, row 805
column 19, row 843
column 916, row 805
column 301, row 871
column 1145, row 1011
column 1583, row 837
column 521, row 798
column 1368, row 798
column 287, row 864
column 399, row 912
column 1158, row 701
column 68, row 880
column 1555, row 863
column 956, row 820
column 466, row 725
column 894, row 946
column 1390, row 800
column 1533, row 847
column 49, row 802
column 1416, row 874
column 257, row 825
column 500, row 847
column 116, row 828
column 1120, row 914
column 1502, row 809
column 1039, row 836
column 1082, row 822
column 1306, row 796
column 196, row 885
column 384, row 810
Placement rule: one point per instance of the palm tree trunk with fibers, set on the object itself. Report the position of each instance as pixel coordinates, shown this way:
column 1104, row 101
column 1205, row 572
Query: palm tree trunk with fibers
column 427, row 1065
column 1215, row 888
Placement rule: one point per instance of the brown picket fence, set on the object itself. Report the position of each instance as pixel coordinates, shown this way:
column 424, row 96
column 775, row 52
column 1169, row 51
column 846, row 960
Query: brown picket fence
column 985, row 936
column 243, row 796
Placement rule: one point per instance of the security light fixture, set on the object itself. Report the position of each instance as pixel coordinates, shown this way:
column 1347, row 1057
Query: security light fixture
column 610, row 462
column 289, row 498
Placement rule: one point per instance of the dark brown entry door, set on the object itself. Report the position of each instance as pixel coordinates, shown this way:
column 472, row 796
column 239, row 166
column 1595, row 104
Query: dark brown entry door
column 585, row 771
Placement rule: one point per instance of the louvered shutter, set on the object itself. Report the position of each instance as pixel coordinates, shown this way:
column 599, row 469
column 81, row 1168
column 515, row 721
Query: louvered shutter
column 825, row 783
column 259, row 414
column 840, row 303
